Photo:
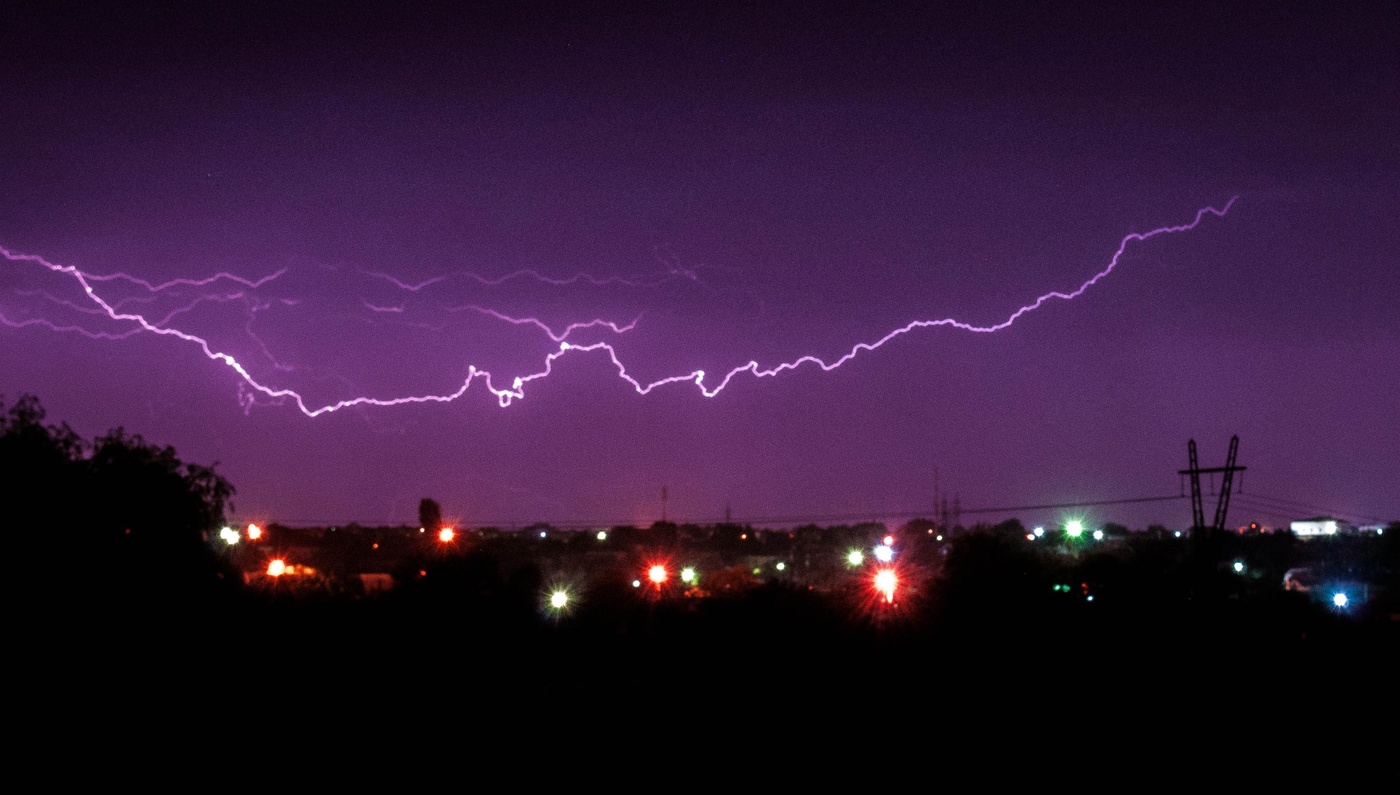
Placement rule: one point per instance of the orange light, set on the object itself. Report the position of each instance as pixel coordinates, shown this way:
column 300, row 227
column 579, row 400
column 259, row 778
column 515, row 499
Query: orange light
column 254, row 532
column 446, row 534
column 277, row 568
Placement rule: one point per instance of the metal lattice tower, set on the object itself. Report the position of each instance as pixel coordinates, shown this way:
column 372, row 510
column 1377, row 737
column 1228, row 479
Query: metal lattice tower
column 1198, row 514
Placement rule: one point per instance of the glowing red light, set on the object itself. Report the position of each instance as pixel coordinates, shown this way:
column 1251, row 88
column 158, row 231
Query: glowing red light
column 657, row 574
column 446, row 534
column 277, row 568
column 254, row 532
column 885, row 583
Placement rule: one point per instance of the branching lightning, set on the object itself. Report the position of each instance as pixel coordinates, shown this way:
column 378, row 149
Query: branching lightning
column 557, row 336
column 252, row 386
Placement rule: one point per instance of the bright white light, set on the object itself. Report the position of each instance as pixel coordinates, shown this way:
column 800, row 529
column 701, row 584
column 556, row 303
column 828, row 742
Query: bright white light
column 1329, row 528
column 1339, row 599
column 781, row 565
column 1074, row 528
column 884, row 553
column 254, row 532
column 1239, row 567
column 636, row 583
column 277, row 568
column 602, row 535
column 688, row 574
column 541, row 534
column 1030, row 536
column 885, row 582
column 1098, row 535
column 1039, row 531
column 229, row 535
column 854, row 557
column 1178, row 534
column 558, row 599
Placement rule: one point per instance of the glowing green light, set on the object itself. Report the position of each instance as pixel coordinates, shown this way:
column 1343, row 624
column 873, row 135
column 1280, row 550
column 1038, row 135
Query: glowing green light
column 1074, row 528
column 688, row 575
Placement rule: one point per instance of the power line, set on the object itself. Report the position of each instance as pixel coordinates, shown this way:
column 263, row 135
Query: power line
column 800, row 519
column 1280, row 504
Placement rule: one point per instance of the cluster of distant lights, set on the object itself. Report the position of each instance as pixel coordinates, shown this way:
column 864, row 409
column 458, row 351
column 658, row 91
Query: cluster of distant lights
column 231, row 536
column 1074, row 528
column 885, row 580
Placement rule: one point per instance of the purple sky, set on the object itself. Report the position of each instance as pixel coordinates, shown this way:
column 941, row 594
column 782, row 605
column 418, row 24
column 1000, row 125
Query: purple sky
column 746, row 183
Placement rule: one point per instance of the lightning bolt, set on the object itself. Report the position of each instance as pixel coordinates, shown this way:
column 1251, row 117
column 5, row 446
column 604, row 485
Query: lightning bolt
column 252, row 387
column 557, row 336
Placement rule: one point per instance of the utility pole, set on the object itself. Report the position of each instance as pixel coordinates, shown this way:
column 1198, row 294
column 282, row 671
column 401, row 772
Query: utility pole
column 1198, row 513
column 1204, row 539
column 936, row 524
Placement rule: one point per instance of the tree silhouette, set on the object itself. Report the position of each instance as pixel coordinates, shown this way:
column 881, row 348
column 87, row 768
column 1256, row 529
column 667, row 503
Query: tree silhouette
column 108, row 520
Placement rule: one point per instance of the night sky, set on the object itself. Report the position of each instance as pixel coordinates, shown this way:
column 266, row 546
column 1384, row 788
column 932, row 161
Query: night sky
column 406, row 196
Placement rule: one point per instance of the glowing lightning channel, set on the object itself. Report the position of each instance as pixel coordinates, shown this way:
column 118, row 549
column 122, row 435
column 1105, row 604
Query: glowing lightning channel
column 557, row 336
column 505, row 396
column 155, row 288
column 698, row 376
column 672, row 271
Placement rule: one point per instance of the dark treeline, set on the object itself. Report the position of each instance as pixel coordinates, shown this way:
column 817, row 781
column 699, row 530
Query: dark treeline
column 96, row 525
column 113, row 561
